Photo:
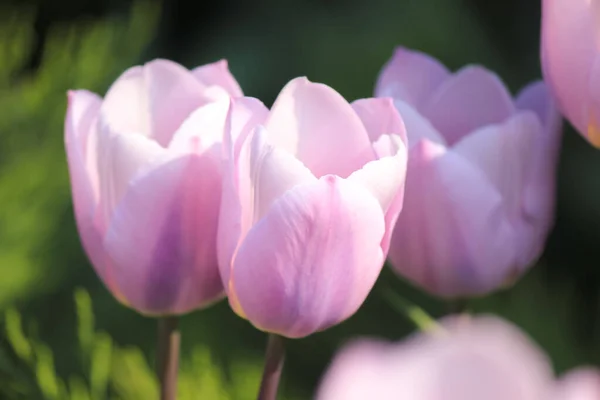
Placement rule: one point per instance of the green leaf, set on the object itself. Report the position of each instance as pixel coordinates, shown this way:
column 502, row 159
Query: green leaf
column 101, row 365
column 15, row 336
column 85, row 321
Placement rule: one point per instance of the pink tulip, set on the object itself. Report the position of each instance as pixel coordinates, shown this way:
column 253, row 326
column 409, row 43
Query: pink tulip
column 581, row 384
column 314, row 187
column 481, row 176
column 145, row 165
column 468, row 359
column 570, row 53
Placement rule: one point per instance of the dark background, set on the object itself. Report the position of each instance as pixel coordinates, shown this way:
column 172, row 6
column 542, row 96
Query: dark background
column 53, row 346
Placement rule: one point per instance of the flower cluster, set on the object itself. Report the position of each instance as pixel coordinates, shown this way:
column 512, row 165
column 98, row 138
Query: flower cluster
column 186, row 191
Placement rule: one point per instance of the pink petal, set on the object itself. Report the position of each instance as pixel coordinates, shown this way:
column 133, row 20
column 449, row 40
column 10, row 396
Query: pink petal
column 536, row 97
column 263, row 174
column 120, row 158
column 410, row 76
column 385, row 179
column 162, row 238
column 315, row 123
column 452, row 237
column 244, row 115
column 472, row 98
column 483, row 358
column 380, row 117
column 361, row 371
column 217, row 74
column 570, row 38
column 270, row 172
column 81, row 116
column 580, row 384
column 153, row 100
column 540, row 194
column 417, row 126
column 503, row 153
column 203, row 129
column 311, row 261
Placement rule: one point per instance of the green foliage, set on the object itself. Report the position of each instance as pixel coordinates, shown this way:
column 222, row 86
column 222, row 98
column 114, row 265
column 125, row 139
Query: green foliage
column 34, row 185
column 115, row 372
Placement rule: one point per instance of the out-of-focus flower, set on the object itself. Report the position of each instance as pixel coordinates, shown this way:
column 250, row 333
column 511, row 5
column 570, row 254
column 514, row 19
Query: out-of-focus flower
column 570, row 53
column 581, row 384
column 481, row 175
column 314, row 188
column 467, row 359
column 145, row 165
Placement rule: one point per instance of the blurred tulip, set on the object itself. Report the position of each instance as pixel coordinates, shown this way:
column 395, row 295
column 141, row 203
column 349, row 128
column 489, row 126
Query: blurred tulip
column 145, row 165
column 481, row 175
column 581, row 384
column 314, row 188
column 570, row 53
column 468, row 359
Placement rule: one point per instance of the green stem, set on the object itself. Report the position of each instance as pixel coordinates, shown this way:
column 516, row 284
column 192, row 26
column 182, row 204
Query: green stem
column 167, row 363
column 274, row 360
column 415, row 314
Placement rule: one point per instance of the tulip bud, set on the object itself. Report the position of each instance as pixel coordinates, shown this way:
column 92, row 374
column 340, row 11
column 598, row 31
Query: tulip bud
column 145, row 165
column 314, row 187
column 481, row 175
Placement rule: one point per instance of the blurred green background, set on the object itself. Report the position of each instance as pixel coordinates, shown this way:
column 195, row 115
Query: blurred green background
column 63, row 336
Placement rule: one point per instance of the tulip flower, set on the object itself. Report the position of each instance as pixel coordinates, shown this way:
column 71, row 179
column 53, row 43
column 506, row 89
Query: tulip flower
column 481, row 175
column 313, row 189
column 466, row 359
column 570, row 54
column 581, row 384
column 145, row 166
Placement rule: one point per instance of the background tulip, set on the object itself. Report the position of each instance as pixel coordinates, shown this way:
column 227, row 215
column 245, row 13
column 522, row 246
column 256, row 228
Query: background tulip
column 581, row 384
column 467, row 359
column 312, row 195
column 481, row 176
column 145, row 167
column 570, row 53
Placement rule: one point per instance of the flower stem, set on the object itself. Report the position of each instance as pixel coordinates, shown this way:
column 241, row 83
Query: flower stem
column 415, row 314
column 167, row 363
column 273, row 367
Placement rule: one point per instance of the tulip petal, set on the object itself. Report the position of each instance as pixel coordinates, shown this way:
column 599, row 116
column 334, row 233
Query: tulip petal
column 452, row 236
column 82, row 113
column 485, row 358
column 569, row 50
column 380, row 117
column 315, row 123
column 315, row 256
column 120, row 158
column 203, row 129
column 417, row 127
column 162, row 238
column 153, row 99
column 218, row 74
column 385, row 179
column 537, row 98
column 540, row 194
column 472, row 98
column 410, row 76
column 361, row 371
column 503, row 152
column 580, row 384
column 263, row 174
column 244, row 115
column 270, row 173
